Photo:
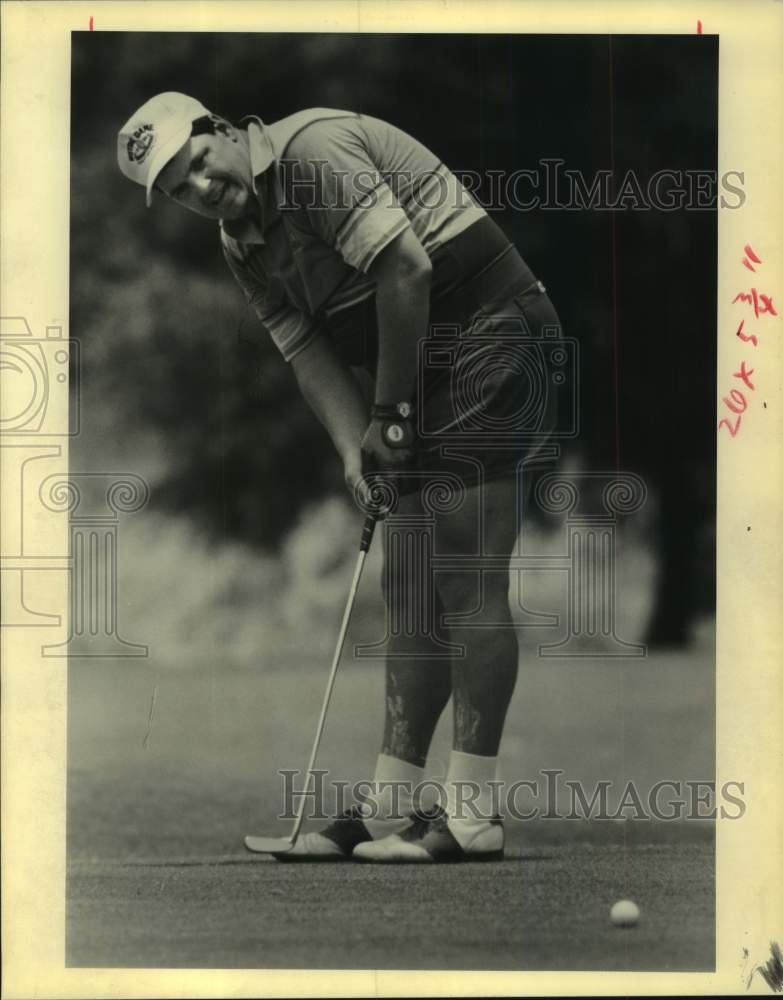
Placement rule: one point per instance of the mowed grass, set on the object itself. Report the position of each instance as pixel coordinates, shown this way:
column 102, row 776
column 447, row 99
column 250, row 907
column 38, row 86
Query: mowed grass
column 544, row 909
column 168, row 769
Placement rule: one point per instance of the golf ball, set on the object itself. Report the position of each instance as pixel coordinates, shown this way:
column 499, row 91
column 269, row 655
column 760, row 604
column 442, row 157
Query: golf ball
column 624, row 913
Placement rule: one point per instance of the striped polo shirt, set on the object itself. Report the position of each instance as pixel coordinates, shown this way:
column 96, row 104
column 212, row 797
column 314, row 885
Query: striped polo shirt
column 333, row 189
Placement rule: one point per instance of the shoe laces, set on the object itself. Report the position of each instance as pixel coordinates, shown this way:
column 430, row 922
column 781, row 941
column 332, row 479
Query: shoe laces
column 423, row 821
column 350, row 815
column 352, row 812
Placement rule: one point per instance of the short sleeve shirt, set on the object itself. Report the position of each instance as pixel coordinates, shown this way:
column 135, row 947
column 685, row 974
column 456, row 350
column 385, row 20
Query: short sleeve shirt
column 334, row 188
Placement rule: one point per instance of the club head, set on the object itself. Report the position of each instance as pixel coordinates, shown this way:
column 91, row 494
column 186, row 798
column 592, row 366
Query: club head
column 269, row 845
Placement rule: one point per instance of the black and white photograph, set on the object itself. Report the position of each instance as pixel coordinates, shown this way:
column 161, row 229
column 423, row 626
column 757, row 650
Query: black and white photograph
column 394, row 403
column 495, row 309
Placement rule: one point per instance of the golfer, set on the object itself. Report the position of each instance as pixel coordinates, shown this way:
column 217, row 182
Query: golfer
column 356, row 246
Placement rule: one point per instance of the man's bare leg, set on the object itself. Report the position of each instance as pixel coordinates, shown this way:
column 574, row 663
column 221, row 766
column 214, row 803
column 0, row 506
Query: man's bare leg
column 482, row 681
column 418, row 686
column 418, row 676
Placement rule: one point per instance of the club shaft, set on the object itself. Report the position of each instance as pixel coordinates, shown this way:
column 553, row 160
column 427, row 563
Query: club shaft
column 357, row 575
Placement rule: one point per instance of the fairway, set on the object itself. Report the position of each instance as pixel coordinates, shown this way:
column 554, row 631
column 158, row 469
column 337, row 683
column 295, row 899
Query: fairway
column 169, row 769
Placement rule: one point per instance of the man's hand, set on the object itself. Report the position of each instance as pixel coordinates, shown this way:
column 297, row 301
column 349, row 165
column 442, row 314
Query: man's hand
column 378, row 487
column 378, row 456
column 372, row 493
column 354, row 480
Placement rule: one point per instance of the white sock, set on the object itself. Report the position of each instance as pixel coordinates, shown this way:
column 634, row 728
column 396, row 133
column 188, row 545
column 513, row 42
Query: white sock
column 469, row 799
column 393, row 803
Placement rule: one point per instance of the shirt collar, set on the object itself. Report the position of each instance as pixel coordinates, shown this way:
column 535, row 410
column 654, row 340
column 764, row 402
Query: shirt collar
column 262, row 153
column 262, row 156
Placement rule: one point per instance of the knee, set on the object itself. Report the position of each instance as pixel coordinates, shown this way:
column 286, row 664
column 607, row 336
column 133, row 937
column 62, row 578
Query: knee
column 394, row 585
column 387, row 585
column 475, row 592
column 458, row 592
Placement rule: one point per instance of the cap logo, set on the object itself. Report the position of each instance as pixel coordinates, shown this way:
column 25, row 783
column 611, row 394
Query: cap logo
column 140, row 143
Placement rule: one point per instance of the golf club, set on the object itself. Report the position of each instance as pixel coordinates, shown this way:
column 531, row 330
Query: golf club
column 279, row 845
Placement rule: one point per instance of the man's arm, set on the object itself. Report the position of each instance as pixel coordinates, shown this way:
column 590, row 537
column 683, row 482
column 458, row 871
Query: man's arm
column 336, row 398
column 402, row 272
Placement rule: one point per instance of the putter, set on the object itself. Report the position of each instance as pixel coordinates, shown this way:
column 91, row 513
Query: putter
column 280, row 845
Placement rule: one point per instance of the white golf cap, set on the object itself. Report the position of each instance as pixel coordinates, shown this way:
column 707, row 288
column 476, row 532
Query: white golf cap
column 154, row 134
